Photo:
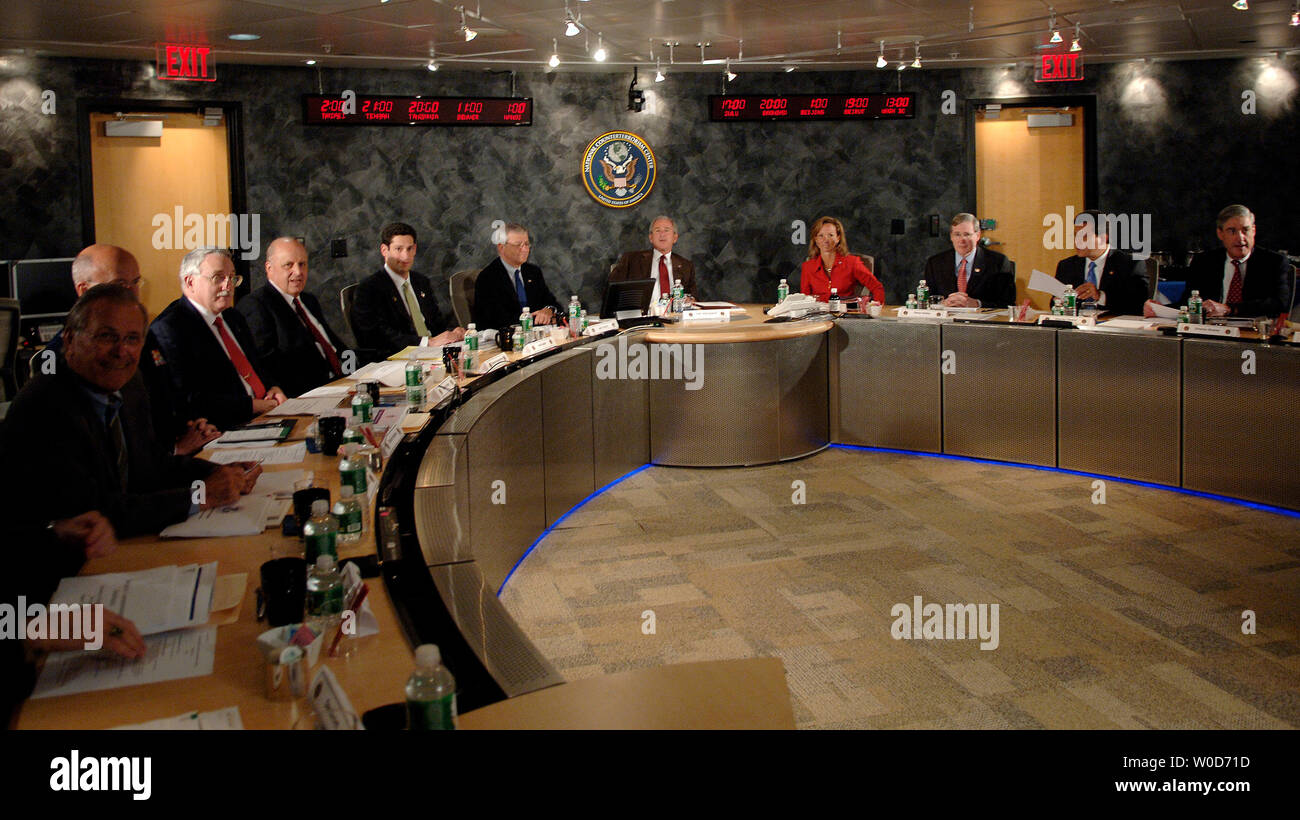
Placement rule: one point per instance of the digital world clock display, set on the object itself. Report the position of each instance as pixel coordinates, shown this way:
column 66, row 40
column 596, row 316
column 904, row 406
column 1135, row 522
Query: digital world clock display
column 374, row 109
column 810, row 107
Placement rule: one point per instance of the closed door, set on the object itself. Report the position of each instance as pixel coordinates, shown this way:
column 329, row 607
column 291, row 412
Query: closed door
column 144, row 186
column 1024, row 173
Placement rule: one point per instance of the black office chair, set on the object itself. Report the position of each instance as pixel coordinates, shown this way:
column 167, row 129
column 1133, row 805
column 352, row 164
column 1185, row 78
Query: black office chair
column 347, row 296
column 462, row 295
column 8, row 349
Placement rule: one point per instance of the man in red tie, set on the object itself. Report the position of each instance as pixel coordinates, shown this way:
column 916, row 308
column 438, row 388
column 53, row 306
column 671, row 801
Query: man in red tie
column 214, row 363
column 1240, row 279
column 298, row 349
column 658, row 263
column 970, row 275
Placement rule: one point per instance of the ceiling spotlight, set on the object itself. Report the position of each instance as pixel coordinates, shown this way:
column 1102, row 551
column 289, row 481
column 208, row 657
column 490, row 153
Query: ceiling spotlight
column 789, row 68
column 570, row 28
column 916, row 63
column 1074, row 46
column 310, row 62
column 244, row 36
column 555, row 55
column 1295, row 13
column 881, row 62
column 1241, row 5
column 469, row 33
column 432, row 66
column 1056, row 32
column 659, row 72
column 727, row 72
column 600, row 54
column 902, row 63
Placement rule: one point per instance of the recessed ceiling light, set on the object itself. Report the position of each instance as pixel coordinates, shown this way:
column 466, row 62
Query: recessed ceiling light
column 310, row 62
column 244, row 37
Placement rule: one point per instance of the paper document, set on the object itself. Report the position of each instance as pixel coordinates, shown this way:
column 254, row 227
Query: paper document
column 389, row 374
column 327, row 390
column 279, row 483
column 714, row 305
column 286, row 454
column 261, row 432
column 185, row 653
column 307, row 407
column 155, row 600
column 1043, row 283
column 247, row 516
column 227, row 718
column 1162, row 311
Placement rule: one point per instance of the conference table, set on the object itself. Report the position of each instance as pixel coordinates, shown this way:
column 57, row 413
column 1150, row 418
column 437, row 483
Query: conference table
column 463, row 501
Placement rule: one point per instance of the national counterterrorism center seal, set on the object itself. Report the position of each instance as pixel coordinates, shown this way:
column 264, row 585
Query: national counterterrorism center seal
column 618, row 169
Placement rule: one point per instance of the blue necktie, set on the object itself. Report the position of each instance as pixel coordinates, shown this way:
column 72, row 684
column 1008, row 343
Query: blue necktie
column 519, row 290
column 1092, row 273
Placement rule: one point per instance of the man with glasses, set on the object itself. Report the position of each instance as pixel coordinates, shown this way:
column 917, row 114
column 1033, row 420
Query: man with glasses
column 970, row 275
column 510, row 283
column 81, row 438
column 395, row 307
column 214, row 365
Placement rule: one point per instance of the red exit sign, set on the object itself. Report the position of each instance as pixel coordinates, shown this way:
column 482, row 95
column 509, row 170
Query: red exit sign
column 180, row 61
column 1055, row 68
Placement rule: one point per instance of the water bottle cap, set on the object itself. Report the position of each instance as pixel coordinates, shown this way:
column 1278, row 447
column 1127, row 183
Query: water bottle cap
column 319, row 507
column 428, row 655
column 324, row 562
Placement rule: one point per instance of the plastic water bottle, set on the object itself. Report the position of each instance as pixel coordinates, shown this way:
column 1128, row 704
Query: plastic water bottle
column 782, row 291
column 575, row 316
column 518, row 338
column 1058, row 306
column 351, row 522
column 1195, row 308
column 586, row 321
column 923, row 295
column 352, row 433
column 526, row 320
column 679, row 296
column 911, row 301
column 470, row 354
column 430, row 692
column 1071, row 301
column 834, row 304
column 352, row 470
column 320, row 531
column 324, row 595
column 414, row 382
column 361, row 406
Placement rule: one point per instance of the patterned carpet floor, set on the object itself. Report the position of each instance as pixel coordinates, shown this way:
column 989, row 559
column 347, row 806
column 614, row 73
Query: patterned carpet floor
column 1127, row 614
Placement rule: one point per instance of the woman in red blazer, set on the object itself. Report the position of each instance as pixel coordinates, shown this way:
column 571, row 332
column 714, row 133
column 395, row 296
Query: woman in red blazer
column 830, row 265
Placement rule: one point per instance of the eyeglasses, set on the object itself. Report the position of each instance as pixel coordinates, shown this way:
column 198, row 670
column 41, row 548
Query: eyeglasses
column 108, row 338
column 524, row 244
column 222, row 278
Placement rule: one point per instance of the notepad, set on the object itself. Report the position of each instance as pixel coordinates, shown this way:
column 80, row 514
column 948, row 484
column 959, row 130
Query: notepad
column 185, row 653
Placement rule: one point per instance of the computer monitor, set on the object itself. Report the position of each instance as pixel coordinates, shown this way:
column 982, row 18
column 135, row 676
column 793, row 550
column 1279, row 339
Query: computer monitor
column 627, row 296
column 43, row 288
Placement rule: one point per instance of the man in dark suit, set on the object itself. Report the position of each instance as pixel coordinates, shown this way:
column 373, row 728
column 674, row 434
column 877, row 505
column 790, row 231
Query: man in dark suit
column 395, row 307
column 658, row 263
column 109, row 264
column 214, row 365
column 510, row 283
column 1098, row 272
column 969, row 275
column 297, row 347
column 81, row 438
column 1240, row 279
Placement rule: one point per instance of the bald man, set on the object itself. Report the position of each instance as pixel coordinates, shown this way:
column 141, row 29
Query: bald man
column 297, row 346
column 111, row 265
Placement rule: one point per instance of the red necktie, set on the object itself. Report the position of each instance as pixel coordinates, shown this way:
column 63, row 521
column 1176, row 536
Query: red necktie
column 1234, row 287
column 961, row 277
column 240, row 361
column 321, row 341
column 665, row 285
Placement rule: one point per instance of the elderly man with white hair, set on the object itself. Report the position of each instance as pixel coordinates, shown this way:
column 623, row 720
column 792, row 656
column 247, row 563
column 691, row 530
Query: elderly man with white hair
column 215, row 368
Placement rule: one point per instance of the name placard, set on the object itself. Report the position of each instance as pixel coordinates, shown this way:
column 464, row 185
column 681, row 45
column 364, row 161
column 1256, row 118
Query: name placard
column 533, row 348
column 694, row 317
column 1210, row 330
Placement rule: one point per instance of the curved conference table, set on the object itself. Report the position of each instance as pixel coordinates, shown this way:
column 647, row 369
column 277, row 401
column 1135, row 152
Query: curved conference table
column 462, row 501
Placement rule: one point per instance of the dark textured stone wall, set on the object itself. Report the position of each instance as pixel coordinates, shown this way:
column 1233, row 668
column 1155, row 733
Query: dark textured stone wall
column 1172, row 141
